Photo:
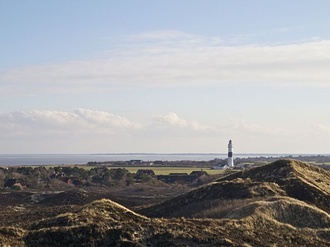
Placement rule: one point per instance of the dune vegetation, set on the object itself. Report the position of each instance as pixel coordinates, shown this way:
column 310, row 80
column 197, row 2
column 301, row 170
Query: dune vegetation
column 285, row 203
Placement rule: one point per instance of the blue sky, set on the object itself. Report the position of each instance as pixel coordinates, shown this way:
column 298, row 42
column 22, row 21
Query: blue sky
column 164, row 76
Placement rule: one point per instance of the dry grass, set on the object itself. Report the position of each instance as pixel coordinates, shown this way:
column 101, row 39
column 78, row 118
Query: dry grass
column 252, row 210
column 284, row 210
column 298, row 179
column 219, row 208
column 217, row 197
column 105, row 223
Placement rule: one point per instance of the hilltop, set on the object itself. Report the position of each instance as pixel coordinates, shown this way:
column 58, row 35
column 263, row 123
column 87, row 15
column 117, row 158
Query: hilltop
column 298, row 179
column 288, row 178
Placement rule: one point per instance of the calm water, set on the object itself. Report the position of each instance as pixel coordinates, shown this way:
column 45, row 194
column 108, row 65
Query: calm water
column 59, row 159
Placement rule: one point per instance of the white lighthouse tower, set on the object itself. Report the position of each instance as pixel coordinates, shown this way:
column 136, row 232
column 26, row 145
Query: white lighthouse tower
column 230, row 155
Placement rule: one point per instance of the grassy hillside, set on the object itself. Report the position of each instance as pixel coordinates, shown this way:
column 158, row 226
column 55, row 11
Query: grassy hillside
column 281, row 204
column 298, row 179
column 106, row 223
column 282, row 178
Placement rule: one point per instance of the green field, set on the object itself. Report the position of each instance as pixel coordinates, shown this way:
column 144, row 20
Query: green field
column 165, row 170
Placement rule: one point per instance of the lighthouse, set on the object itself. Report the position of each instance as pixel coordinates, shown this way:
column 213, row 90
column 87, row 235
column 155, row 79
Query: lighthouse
column 230, row 154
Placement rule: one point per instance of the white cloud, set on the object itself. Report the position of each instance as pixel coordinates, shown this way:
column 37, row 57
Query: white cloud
column 245, row 127
column 51, row 122
column 172, row 120
column 231, row 126
column 84, row 121
column 85, row 130
column 170, row 58
column 320, row 129
column 101, row 118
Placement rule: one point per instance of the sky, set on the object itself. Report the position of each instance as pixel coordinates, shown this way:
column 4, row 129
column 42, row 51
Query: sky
column 184, row 76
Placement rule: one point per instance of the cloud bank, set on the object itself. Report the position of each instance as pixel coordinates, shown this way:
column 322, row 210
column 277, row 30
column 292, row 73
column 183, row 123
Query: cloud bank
column 85, row 130
column 79, row 121
column 171, row 58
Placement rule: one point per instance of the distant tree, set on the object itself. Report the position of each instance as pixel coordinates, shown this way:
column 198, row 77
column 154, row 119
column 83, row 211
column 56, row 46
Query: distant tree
column 119, row 173
column 2, row 177
column 129, row 179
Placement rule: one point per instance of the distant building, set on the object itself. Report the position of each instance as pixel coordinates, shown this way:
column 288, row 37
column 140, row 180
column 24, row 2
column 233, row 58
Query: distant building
column 142, row 172
column 182, row 178
column 199, row 173
column 68, row 180
column 134, row 162
column 13, row 183
column 221, row 167
column 178, row 174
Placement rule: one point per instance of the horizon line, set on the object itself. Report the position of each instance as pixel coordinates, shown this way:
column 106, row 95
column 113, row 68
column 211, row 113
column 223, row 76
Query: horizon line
column 159, row 153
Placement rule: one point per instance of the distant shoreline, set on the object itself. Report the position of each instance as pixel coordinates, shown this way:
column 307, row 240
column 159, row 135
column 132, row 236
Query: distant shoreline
column 67, row 159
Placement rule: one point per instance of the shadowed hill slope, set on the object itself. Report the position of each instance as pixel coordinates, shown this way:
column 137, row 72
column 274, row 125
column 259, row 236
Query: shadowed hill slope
column 224, row 195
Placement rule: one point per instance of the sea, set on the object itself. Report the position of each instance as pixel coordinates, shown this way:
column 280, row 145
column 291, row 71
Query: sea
column 76, row 159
